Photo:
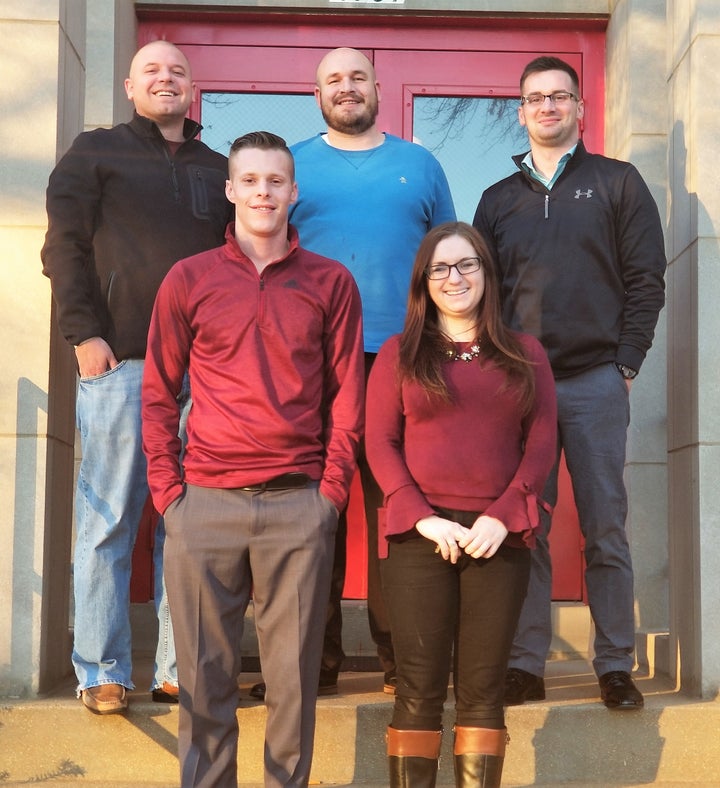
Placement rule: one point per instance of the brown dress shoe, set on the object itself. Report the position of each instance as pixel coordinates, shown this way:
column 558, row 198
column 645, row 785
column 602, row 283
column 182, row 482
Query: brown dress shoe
column 167, row 693
column 390, row 683
column 105, row 699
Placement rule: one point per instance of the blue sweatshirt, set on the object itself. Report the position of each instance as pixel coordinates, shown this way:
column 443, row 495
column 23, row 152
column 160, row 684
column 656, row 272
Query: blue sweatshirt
column 370, row 209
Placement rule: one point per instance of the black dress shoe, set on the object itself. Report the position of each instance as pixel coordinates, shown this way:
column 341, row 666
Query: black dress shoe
column 327, row 688
column 257, row 691
column 618, row 691
column 521, row 686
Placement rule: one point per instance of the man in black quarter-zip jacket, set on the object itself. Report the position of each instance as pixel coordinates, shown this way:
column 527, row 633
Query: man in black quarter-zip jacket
column 123, row 205
column 579, row 246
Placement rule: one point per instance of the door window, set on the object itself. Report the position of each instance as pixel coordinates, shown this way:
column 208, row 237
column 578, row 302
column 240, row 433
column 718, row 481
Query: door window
column 227, row 116
column 473, row 138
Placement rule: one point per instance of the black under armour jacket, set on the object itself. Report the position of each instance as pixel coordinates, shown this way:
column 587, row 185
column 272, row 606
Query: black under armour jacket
column 581, row 264
column 121, row 211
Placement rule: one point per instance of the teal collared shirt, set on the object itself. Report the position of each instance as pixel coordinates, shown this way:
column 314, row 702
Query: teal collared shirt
column 548, row 183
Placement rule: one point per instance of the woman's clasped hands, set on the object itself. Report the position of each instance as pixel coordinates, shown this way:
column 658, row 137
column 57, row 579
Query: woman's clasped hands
column 452, row 539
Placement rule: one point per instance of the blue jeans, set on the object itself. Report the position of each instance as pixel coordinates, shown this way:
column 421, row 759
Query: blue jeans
column 593, row 417
column 111, row 492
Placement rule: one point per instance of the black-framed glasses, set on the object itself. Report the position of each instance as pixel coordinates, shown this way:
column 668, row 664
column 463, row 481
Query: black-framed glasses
column 467, row 265
column 557, row 97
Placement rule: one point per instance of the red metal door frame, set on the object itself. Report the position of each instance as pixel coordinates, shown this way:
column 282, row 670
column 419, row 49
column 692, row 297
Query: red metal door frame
column 475, row 56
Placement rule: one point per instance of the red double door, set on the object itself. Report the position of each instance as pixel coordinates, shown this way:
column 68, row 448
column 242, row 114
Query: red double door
column 451, row 86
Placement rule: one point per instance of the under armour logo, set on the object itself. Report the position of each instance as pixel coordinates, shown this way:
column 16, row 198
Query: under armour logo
column 580, row 193
column 403, row 179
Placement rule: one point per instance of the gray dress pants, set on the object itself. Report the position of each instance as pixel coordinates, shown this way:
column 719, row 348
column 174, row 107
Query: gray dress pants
column 221, row 547
column 593, row 417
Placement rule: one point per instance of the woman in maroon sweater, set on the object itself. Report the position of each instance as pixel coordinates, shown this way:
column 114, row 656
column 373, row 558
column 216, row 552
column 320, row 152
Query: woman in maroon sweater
column 461, row 435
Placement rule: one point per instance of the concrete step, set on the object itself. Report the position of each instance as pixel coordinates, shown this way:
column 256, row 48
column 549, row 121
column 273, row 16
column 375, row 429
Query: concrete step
column 569, row 739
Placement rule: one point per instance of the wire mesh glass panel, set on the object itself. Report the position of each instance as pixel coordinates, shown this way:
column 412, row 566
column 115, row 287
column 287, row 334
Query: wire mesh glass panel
column 473, row 139
column 227, row 116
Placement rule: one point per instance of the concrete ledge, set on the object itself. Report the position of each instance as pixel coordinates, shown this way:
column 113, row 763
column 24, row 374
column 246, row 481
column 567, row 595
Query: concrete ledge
column 652, row 653
column 569, row 737
column 572, row 631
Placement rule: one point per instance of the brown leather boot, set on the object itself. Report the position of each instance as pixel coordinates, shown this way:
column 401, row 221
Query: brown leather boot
column 479, row 756
column 413, row 758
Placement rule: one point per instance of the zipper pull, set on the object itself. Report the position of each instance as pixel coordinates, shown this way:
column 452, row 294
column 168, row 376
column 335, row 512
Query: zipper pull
column 547, row 206
column 173, row 172
column 176, row 185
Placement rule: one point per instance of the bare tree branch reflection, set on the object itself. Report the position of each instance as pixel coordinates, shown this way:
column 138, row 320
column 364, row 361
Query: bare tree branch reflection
column 486, row 122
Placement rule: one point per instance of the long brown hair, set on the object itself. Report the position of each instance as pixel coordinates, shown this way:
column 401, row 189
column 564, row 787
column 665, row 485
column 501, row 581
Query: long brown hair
column 424, row 347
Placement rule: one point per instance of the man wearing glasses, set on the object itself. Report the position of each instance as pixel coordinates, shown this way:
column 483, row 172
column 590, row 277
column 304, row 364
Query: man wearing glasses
column 579, row 246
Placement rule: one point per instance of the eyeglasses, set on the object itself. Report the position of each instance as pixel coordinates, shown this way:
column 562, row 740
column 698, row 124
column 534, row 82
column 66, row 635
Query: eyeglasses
column 558, row 98
column 442, row 270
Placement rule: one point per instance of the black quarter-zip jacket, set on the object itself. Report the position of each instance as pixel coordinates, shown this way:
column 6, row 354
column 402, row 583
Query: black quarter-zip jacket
column 121, row 211
column 581, row 265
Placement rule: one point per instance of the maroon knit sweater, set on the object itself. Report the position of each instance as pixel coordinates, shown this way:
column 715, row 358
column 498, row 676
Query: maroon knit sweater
column 475, row 453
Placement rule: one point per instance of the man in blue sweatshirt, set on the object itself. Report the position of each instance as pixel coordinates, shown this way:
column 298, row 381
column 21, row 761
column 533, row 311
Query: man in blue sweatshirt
column 366, row 198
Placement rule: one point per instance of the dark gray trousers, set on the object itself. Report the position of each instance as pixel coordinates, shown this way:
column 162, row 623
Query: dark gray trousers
column 593, row 417
column 221, row 547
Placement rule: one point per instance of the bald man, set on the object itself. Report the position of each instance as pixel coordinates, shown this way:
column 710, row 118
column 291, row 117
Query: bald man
column 123, row 205
column 366, row 198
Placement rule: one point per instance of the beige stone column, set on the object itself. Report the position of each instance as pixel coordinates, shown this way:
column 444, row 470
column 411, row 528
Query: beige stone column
column 693, row 82
column 636, row 131
column 42, row 94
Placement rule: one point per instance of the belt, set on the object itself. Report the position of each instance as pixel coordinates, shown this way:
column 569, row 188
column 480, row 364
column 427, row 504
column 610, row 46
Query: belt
column 286, row 481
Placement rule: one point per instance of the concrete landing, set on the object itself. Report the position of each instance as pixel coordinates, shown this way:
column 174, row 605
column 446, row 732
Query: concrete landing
column 570, row 739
